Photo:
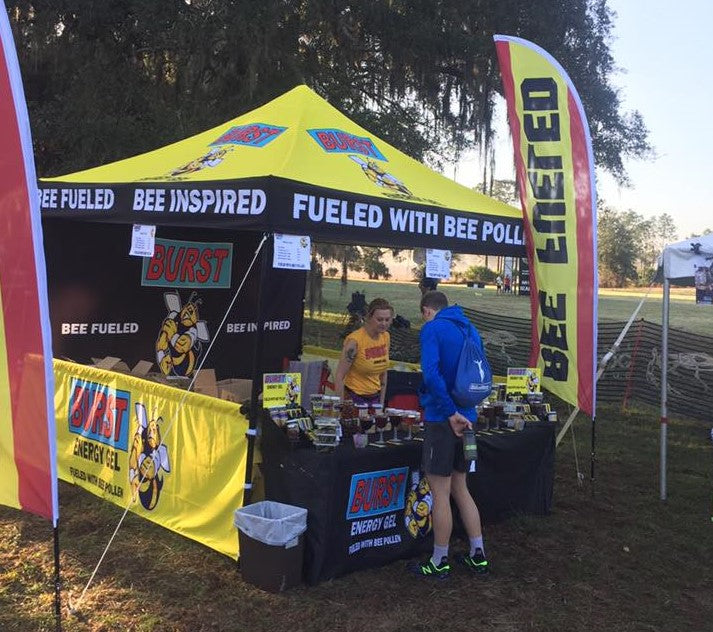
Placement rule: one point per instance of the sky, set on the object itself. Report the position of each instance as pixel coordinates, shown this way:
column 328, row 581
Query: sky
column 664, row 51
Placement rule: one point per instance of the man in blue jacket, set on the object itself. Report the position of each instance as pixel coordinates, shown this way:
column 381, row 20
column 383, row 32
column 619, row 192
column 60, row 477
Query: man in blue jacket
column 443, row 459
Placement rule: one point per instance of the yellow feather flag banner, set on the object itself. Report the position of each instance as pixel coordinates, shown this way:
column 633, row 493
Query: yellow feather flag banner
column 176, row 458
column 555, row 169
column 28, row 477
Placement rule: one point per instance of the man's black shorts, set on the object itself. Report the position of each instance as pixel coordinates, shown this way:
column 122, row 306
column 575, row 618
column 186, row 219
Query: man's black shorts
column 442, row 450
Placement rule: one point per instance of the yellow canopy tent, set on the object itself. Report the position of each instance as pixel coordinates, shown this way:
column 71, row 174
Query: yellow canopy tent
column 295, row 165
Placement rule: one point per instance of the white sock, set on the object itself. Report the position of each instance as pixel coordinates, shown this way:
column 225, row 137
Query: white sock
column 439, row 552
column 476, row 543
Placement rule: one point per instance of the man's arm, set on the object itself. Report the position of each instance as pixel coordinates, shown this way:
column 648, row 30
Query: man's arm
column 349, row 353
column 432, row 378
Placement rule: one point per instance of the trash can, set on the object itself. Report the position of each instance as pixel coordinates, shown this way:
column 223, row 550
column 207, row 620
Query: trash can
column 271, row 541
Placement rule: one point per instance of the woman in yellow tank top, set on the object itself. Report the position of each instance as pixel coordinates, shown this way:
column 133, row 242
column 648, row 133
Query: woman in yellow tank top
column 361, row 372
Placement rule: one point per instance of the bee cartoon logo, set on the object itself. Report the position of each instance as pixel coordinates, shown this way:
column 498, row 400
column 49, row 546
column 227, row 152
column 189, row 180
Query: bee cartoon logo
column 419, row 505
column 181, row 336
column 211, row 159
column 147, row 460
column 532, row 383
column 292, row 394
column 252, row 135
column 304, row 242
column 378, row 176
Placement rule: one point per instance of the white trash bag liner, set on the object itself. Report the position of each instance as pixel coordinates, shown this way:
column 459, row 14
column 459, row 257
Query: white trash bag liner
column 271, row 522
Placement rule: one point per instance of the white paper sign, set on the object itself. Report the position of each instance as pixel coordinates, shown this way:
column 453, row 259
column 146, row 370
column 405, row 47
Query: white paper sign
column 143, row 240
column 438, row 263
column 292, row 252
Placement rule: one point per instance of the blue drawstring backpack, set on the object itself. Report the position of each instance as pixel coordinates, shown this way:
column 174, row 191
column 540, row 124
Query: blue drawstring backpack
column 474, row 378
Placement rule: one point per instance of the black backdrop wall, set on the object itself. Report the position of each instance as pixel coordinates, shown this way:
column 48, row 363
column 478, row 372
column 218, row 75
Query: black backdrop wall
column 105, row 302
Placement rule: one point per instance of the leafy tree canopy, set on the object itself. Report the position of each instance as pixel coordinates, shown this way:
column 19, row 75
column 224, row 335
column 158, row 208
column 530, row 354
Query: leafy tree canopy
column 619, row 247
column 505, row 191
column 109, row 79
column 629, row 245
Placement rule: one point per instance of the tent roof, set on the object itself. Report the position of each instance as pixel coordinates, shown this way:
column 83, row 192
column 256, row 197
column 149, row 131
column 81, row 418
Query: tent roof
column 294, row 165
column 681, row 259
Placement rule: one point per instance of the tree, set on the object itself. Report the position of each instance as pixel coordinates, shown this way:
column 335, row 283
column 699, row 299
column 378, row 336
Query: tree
column 666, row 231
column 649, row 248
column 505, row 191
column 706, row 231
column 372, row 264
column 619, row 246
column 481, row 274
column 652, row 235
column 346, row 256
column 108, row 80
column 315, row 276
column 629, row 245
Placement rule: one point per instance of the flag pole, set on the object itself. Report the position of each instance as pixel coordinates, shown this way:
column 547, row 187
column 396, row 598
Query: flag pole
column 603, row 363
column 57, row 581
column 593, row 456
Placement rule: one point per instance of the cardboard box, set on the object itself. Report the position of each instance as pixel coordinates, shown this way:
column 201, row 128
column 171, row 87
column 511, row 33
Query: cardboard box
column 142, row 368
column 232, row 389
column 205, row 383
column 235, row 390
column 110, row 363
column 162, row 379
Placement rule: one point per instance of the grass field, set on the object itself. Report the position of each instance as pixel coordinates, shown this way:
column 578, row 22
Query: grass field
column 610, row 557
column 613, row 304
column 620, row 560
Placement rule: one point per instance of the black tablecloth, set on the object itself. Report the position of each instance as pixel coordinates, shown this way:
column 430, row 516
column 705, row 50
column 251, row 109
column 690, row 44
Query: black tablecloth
column 356, row 498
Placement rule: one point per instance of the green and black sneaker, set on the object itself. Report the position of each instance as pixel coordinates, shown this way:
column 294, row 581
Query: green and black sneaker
column 429, row 569
column 475, row 564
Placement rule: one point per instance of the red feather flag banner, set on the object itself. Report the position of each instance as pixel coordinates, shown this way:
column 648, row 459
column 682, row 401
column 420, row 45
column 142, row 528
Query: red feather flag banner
column 28, row 453
column 555, row 171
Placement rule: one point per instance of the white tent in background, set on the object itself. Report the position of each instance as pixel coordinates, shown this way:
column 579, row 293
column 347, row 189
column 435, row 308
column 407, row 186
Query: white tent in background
column 679, row 262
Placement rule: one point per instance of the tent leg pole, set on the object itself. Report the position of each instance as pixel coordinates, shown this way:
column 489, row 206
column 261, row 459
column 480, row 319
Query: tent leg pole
column 255, row 408
column 664, row 385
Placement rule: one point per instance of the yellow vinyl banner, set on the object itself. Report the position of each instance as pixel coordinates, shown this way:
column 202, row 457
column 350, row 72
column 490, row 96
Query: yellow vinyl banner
column 555, row 168
column 175, row 458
